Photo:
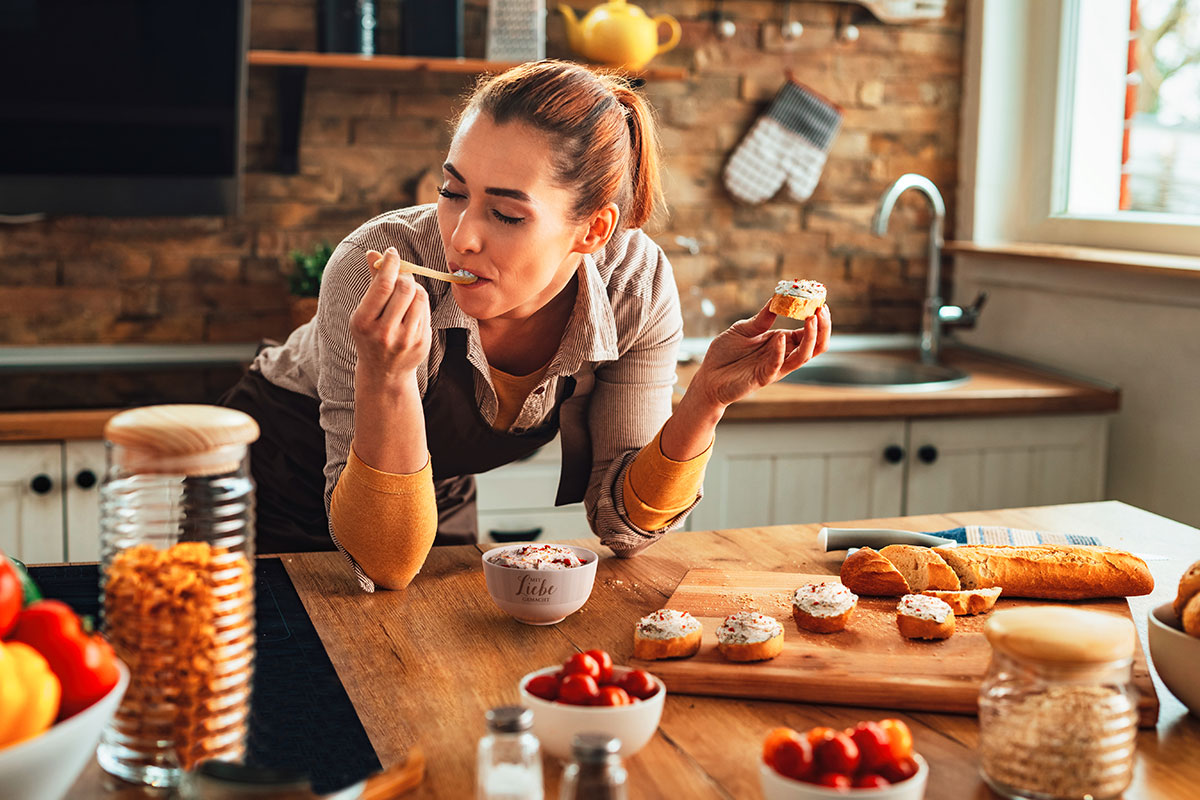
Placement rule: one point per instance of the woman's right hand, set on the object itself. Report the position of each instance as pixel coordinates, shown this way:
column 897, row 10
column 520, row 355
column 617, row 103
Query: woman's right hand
column 390, row 326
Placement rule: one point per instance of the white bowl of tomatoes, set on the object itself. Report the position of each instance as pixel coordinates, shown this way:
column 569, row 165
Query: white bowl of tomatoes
column 587, row 694
column 871, row 760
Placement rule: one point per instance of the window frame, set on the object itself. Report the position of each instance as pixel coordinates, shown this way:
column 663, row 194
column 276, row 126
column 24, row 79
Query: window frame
column 1017, row 98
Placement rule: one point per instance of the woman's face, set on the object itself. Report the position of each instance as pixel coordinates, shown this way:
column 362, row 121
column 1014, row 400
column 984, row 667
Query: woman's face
column 503, row 218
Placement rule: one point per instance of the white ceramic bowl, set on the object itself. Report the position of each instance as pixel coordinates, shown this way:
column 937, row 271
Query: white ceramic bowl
column 777, row 787
column 1175, row 656
column 555, row 724
column 44, row 767
column 540, row 596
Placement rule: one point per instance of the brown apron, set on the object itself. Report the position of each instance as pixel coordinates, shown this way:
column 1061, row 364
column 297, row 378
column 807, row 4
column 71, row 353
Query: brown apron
column 288, row 460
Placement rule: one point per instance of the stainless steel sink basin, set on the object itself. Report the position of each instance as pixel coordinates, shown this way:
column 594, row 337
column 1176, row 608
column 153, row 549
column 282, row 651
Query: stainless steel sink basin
column 899, row 373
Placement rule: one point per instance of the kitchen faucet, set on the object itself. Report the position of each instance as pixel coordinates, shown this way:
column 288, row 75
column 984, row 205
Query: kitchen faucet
column 934, row 315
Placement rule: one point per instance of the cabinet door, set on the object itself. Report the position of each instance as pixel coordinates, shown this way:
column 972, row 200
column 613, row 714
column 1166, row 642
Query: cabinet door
column 518, row 498
column 31, row 505
column 776, row 473
column 84, row 467
column 1005, row 462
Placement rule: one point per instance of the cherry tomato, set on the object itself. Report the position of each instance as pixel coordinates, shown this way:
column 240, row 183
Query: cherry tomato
column 871, row 780
column 543, row 686
column 900, row 771
column 640, row 684
column 582, row 664
column 613, row 696
column 817, row 735
column 578, row 690
column 835, row 780
column 775, row 738
column 605, row 661
column 837, row 754
column 899, row 738
column 793, row 758
column 874, row 747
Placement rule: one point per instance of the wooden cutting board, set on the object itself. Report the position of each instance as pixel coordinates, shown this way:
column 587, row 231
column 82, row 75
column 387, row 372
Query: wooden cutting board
column 868, row 664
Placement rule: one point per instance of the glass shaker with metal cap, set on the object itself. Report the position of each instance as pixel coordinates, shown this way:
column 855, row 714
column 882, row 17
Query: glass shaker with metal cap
column 1058, row 709
column 509, row 763
column 177, row 587
column 595, row 772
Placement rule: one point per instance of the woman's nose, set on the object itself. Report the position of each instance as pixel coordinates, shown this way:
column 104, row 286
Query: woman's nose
column 465, row 238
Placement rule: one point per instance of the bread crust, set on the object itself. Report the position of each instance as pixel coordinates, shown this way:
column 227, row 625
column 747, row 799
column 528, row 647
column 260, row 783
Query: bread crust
column 808, row 622
column 968, row 602
column 649, row 649
column 1189, row 587
column 1191, row 616
column 921, row 567
column 867, row 572
column 1050, row 572
column 754, row 651
column 917, row 628
column 795, row 307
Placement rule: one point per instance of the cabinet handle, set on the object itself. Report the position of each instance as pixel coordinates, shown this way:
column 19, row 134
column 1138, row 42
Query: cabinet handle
column 41, row 484
column 515, row 536
column 893, row 454
column 85, row 479
column 927, row 453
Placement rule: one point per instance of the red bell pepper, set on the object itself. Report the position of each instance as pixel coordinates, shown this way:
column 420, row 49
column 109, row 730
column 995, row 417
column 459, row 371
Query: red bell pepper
column 12, row 595
column 84, row 662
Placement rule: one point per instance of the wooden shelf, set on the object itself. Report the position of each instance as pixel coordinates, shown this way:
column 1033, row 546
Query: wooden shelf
column 294, row 58
column 1118, row 260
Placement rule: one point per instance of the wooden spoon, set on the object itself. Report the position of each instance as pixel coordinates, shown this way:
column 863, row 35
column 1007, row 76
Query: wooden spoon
column 407, row 266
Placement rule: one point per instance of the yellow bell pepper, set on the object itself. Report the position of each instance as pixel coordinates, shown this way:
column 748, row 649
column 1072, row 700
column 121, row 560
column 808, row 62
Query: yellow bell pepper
column 29, row 693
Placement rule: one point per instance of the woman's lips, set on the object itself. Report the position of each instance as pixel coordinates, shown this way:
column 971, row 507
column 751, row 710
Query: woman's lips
column 460, row 270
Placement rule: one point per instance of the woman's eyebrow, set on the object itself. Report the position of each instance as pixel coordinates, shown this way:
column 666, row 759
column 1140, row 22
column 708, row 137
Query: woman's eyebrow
column 515, row 194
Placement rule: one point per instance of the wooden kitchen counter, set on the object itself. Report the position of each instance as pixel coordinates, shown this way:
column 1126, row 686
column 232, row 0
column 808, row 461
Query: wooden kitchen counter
column 422, row 666
column 996, row 387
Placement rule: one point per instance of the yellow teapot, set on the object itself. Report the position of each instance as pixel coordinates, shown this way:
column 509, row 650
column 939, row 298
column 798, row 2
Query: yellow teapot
column 619, row 34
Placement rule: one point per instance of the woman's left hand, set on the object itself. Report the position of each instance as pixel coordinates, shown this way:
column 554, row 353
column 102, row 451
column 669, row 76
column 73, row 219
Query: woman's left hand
column 749, row 355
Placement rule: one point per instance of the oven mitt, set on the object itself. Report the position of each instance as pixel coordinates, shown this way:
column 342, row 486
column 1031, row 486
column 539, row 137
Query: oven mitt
column 787, row 144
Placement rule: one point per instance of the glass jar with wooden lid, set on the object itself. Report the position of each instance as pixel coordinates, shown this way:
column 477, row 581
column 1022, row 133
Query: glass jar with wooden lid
column 1058, row 709
column 177, row 587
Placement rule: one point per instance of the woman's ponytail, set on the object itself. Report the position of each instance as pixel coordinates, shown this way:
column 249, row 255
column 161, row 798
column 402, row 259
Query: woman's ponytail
column 644, row 180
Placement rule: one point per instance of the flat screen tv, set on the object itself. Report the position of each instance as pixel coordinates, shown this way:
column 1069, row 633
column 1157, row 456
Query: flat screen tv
column 122, row 107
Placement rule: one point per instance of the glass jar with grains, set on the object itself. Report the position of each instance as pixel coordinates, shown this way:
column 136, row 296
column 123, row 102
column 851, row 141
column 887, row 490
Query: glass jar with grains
column 1058, row 710
column 177, row 584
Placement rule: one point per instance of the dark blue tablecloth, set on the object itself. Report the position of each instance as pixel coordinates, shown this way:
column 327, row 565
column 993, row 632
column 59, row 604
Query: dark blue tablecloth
column 300, row 719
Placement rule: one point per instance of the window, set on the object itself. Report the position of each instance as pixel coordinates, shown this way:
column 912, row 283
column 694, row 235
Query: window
column 1082, row 123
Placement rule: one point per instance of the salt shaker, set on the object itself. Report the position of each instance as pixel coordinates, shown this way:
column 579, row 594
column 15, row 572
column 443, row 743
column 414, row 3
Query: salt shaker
column 595, row 772
column 177, row 587
column 509, row 761
column 1058, row 709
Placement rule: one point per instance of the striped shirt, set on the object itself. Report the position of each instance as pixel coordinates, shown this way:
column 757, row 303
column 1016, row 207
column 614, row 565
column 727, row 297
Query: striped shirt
column 619, row 347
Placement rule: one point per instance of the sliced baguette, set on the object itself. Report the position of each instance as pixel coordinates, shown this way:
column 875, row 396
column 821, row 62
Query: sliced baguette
column 1050, row 572
column 865, row 571
column 922, row 617
column 921, row 567
column 1189, row 587
column 967, row 602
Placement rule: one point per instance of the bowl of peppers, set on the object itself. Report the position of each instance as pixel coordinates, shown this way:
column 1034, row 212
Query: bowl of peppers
column 60, row 684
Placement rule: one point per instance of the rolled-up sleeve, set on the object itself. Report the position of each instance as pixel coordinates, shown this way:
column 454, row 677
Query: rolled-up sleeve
column 631, row 399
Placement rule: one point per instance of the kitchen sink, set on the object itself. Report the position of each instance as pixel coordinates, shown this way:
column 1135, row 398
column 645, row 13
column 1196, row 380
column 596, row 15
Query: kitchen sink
column 895, row 373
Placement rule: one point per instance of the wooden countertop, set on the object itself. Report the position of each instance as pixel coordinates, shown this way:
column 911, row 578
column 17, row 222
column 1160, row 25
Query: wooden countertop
column 996, row 387
column 433, row 689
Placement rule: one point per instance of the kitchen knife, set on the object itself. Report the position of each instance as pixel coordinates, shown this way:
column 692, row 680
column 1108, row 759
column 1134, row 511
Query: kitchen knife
column 846, row 538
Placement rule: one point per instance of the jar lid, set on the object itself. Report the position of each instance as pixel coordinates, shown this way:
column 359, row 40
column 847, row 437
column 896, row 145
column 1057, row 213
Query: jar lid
column 194, row 439
column 509, row 719
column 1061, row 634
column 594, row 747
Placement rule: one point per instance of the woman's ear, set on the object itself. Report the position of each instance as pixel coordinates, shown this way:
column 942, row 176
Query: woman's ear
column 599, row 230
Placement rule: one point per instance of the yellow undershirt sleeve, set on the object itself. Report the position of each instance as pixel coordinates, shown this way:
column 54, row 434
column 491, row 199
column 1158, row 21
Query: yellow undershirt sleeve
column 385, row 521
column 657, row 489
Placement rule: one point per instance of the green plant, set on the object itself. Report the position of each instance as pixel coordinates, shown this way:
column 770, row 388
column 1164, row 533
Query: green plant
column 307, row 267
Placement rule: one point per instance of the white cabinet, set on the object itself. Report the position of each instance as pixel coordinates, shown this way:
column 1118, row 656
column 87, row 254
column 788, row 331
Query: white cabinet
column 773, row 473
column 517, row 500
column 49, row 500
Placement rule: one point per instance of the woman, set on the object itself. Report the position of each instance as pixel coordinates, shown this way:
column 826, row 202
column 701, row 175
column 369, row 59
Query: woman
column 571, row 328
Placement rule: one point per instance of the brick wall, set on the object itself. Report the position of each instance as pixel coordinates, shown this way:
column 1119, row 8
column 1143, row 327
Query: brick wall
column 367, row 137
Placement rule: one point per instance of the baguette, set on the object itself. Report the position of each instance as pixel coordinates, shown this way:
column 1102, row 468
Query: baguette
column 921, row 617
column 921, row 567
column 823, row 607
column 1189, row 587
column 1050, row 572
column 968, row 602
column 865, row 571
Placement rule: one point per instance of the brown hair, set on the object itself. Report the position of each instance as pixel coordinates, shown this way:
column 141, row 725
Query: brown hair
column 604, row 132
